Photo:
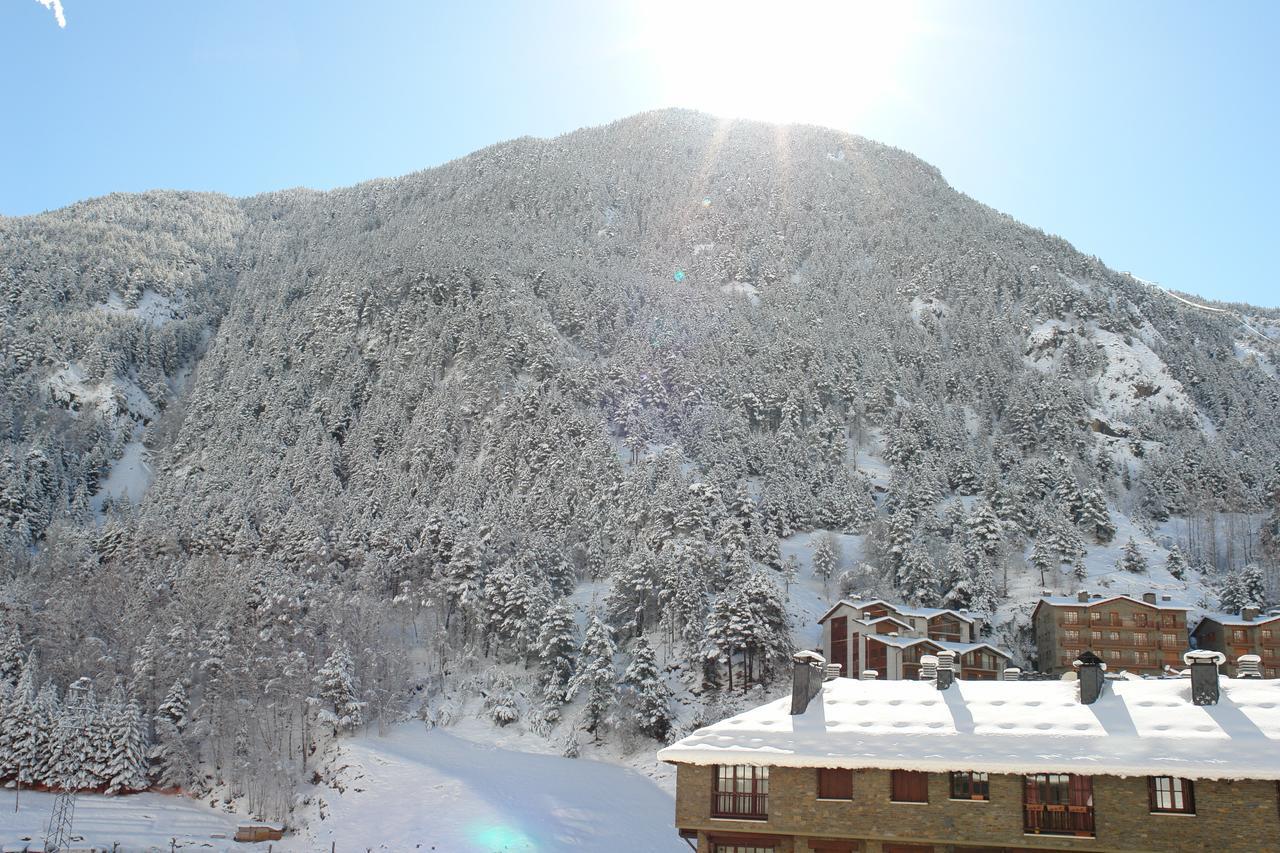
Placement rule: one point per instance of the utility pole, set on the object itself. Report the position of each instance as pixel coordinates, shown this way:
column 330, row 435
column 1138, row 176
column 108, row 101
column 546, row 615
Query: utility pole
column 64, row 807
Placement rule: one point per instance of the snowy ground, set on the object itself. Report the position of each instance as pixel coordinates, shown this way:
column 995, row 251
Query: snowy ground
column 140, row 822
column 419, row 789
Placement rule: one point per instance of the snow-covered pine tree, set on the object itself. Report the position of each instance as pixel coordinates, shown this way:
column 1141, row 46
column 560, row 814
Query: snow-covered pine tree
column 11, row 657
column 824, row 559
column 41, row 757
column 596, row 675
column 557, row 643
column 1131, row 559
column 1243, row 588
column 647, row 695
column 984, row 528
column 500, row 703
column 1176, row 564
column 918, row 578
column 126, row 768
column 170, row 759
column 337, row 700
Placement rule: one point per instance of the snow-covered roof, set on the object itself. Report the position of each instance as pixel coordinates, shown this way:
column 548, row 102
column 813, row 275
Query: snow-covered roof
column 1072, row 601
column 903, row 609
column 1136, row 728
column 1235, row 620
column 958, row 648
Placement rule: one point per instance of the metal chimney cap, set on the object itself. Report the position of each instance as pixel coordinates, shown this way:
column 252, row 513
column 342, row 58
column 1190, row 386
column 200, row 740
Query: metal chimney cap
column 809, row 656
column 928, row 659
column 1089, row 659
column 1203, row 656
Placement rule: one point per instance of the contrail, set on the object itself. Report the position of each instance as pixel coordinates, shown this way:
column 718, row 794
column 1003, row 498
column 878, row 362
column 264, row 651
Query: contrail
column 56, row 6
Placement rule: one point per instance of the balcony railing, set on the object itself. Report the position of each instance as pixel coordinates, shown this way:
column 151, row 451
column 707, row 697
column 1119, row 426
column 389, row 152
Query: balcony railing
column 745, row 806
column 1052, row 819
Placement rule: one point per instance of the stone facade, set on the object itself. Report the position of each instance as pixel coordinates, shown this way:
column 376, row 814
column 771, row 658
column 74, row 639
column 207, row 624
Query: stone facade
column 1230, row 816
column 1127, row 633
column 1235, row 636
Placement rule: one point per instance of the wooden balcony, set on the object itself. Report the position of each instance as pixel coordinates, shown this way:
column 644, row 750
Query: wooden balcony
column 1055, row 819
column 740, row 806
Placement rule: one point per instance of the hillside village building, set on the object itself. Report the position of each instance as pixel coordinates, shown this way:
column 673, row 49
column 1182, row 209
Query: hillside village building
column 1246, row 633
column 1142, row 636
column 892, row 638
column 937, row 765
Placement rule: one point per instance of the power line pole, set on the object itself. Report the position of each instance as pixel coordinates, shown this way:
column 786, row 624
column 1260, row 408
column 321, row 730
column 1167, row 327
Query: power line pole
column 64, row 807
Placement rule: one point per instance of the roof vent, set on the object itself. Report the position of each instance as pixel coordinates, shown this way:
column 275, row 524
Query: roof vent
column 807, row 669
column 928, row 667
column 946, row 668
column 1089, row 669
column 1166, row 598
column 1204, row 675
column 1149, row 597
column 833, row 671
column 1012, row 673
column 1248, row 666
column 868, row 675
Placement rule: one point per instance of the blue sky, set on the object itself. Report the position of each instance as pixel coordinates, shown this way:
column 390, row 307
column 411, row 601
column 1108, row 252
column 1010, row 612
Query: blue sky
column 1144, row 133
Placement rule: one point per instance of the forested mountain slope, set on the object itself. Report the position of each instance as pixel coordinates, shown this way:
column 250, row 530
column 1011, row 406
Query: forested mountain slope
column 439, row 417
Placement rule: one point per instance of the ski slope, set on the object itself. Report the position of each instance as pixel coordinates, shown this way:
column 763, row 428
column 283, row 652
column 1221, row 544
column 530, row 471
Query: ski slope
column 419, row 789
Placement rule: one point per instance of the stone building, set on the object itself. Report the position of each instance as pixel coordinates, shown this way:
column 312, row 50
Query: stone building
column 939, row 765
column 891, row 639
column 1247, row 633
column 1141, row 635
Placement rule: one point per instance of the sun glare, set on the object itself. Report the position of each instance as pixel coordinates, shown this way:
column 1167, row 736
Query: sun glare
column 818, row 62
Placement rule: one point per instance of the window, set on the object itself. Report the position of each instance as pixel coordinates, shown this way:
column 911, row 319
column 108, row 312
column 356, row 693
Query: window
column 1170, row 640
column 970, row 786
column 1237, row 636
column 741, row 791
column 1266, row 633
column 1168, row 620
column 1073, row 636
column 1057, row 804
column 1140, row 619
column 835, row 784
column 741, row 848
column 1115, row 618
column 1095, row 616
column 1071, row 617
column 1143, row 658
column 1112, row 654
column 909, row 786
column 1113, row 636
column 1096, row 635
column 1171, row 795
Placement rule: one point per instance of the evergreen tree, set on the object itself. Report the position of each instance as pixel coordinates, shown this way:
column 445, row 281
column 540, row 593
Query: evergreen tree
column 126, row 768
column 596, row 675
column 824, row 559
column 918, row 579
column 1131, row 559
column 500, row 698
column 337, row 701
column 1243, row 588
column 557, row 642
column 648, row 697
column 1176, row 564
column 11, row 658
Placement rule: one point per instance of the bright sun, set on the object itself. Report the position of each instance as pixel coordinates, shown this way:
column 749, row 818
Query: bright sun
column 797, row 61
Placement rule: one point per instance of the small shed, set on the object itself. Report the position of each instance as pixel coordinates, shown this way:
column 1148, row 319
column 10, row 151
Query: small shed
column 259, row 832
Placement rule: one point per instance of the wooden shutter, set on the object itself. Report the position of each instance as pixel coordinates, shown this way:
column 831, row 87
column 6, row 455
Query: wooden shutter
column 835, row 784
column 909, row 786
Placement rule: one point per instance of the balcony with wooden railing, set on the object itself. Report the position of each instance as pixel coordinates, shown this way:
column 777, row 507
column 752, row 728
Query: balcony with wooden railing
column 1058, row 819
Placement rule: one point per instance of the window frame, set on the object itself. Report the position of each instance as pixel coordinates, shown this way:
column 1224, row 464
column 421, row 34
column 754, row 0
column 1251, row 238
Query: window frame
column 1179, row 787
column 757, row 797
column 908, row 778
column 847, row 784
column 971, row 782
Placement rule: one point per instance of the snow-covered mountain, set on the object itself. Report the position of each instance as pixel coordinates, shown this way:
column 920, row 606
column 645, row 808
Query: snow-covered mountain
column 653, row 374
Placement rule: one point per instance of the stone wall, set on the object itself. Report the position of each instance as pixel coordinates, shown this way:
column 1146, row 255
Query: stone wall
column 1230, row 816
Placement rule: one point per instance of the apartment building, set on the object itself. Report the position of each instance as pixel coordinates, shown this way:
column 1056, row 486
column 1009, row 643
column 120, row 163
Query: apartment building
column 892, row 638
column 938, row 765
column 1249, row 632
column 1141, row 635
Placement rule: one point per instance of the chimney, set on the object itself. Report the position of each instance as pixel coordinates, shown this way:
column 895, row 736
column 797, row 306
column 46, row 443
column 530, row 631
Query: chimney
column 1149, row 597
column 1011, row 673
column 946, row 668
column 868, row 675
column 807, row 669
column 1082, row 596
column 1248, row 614
column 1089, row 669
column 1204, row 675
column 928, row 667
column 1248, row 666
column 833, row 671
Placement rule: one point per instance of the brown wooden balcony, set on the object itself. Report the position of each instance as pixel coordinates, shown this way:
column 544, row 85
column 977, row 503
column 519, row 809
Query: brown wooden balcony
column 1058, row 819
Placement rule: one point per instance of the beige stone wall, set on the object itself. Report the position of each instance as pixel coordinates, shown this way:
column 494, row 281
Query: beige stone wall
column 1230, row 816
